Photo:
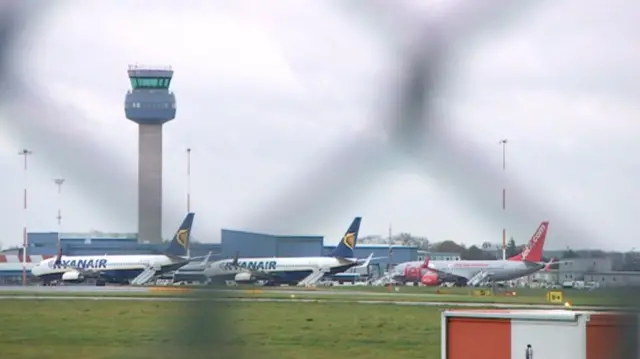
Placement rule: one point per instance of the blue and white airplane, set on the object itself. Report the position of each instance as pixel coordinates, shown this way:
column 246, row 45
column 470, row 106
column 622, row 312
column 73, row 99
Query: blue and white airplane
column 123, row 269
column 283, row 270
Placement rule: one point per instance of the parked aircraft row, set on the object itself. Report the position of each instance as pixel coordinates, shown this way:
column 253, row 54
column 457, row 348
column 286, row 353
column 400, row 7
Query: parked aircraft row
column 283, row 270
column 141, row 269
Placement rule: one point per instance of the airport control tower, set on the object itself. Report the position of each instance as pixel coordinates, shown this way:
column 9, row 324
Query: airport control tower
column 150, row 104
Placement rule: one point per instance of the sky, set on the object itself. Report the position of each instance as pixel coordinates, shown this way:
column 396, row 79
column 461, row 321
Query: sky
column 270, row 97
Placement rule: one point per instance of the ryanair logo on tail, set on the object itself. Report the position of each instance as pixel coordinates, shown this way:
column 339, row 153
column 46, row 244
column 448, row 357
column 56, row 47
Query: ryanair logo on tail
column 349, row 240
column 183, row 237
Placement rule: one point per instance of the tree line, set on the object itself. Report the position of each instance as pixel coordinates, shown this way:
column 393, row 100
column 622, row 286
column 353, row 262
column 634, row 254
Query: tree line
column 488, row 251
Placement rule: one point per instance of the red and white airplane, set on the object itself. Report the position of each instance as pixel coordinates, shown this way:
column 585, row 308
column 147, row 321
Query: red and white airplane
column 477, row 272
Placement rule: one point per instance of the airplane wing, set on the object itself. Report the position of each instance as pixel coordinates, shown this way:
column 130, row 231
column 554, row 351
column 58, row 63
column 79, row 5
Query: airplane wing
column 205, row 259
column 363, row 263
column 452, row 273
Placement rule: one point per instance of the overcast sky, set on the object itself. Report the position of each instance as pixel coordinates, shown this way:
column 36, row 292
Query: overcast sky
column 266, row 91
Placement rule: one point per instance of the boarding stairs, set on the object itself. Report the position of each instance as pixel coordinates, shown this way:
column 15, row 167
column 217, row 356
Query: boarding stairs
column 145, row 277
column 383, row 280
column 312, row 278
column 478, row 279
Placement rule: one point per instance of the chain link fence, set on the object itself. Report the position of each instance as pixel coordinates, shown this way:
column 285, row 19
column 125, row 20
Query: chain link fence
column 408, row 120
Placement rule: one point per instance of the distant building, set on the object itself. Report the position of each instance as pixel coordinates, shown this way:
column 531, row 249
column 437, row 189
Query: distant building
column 614, row 278
column 250, row 244
column 439, row 256
column 577, row 268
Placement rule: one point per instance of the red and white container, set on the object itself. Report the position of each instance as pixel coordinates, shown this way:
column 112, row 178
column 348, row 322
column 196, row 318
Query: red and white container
column 551, row 334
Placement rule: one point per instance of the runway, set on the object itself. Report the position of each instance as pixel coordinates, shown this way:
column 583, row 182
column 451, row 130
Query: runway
column 329, row 292
column 365, row 302
column 74, row 289
column 150, row 289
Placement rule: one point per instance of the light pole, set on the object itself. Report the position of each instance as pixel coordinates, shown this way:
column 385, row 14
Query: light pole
column 25, row 241
column 390, row 262
column 188, row 180
column 503, row 142
column 59, row 182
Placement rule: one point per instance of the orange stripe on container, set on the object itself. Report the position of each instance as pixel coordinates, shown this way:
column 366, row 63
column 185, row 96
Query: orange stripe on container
column 478, row 338
column 607, row 335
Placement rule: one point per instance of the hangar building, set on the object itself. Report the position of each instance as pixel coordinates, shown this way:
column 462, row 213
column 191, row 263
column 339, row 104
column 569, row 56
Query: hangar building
column 248, row 244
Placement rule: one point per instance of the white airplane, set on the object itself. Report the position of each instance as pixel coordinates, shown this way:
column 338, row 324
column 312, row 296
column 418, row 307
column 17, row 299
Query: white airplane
column 477, row 272
column 124, row 269
column 281, row 270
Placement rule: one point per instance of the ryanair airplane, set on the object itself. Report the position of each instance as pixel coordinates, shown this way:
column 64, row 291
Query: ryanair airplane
column 123, row 269
column 280, row 270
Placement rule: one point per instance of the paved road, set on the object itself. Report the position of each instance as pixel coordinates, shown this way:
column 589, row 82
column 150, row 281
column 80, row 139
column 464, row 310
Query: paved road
column 370, row 302
column 131, row 289
column 73, row 289
column 333, row 292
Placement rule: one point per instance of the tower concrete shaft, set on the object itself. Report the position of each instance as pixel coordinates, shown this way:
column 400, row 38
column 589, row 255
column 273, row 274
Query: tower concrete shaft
column 150, row 183
column 150, row 104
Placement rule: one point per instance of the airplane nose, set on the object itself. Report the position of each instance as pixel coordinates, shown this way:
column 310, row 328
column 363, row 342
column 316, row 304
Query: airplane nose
column 35, row 270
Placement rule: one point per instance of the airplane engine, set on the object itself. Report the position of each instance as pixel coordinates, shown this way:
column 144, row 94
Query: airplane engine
column 430, row 279
column 244, row 277
column 73, row 277
column 411, row 274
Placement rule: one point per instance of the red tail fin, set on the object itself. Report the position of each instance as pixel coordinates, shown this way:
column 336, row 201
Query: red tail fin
column 425, row 265
column 533, row 250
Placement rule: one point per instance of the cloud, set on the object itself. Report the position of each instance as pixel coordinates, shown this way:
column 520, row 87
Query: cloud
column 264, row 92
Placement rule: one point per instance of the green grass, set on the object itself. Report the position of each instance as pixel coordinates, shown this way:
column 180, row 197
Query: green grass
column 464, row 295
column 46, row 329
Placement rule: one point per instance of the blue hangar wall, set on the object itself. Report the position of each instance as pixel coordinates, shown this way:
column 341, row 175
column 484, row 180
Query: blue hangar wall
column 46, row 243
column 249, row 244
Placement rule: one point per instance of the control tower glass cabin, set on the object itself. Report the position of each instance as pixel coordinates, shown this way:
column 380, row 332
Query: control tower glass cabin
column 150, row 104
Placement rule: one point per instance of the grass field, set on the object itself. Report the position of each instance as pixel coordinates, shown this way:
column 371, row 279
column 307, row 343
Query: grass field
column 356, row 293
column 133, row 329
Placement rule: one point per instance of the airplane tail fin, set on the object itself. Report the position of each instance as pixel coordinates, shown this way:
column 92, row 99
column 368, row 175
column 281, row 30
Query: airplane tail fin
column 425, row 264
column 348, row 241
column 179, row 245
column 236, row 259
column 533, row 250
column 58, row 260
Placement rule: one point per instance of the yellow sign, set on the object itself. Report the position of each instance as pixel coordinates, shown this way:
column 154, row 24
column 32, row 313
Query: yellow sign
column 555, row 297
column 482, row 293
column 183, row 237
column 349, row 240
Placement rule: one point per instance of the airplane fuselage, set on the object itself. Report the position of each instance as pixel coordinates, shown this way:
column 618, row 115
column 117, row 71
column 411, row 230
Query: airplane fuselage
column 112, row 268
column 279, row 269
column 498, row 270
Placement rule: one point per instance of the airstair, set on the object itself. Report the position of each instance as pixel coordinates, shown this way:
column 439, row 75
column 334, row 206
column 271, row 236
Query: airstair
column 312, row 278
column 383, row 280
column 478, row 279
column 144, row 277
